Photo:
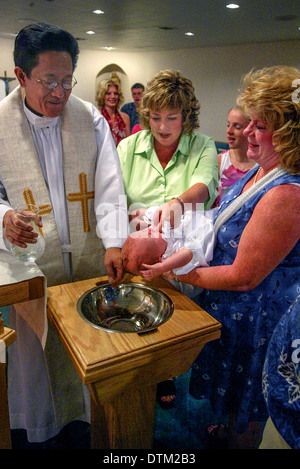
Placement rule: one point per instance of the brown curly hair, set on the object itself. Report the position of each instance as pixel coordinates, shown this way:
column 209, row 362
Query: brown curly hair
column 169, row 89
column 271, row 94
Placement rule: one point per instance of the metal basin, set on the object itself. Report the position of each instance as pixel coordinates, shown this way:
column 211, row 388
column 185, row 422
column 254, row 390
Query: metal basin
column 129, row 307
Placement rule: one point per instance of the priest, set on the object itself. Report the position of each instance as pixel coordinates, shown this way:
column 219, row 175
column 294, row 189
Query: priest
column 56, row 152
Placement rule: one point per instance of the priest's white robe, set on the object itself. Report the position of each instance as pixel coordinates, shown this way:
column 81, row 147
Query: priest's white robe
column 44, row 390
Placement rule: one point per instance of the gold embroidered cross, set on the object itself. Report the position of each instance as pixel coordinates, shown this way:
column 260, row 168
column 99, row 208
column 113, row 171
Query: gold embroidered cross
column 83, row 196
column 29, row 199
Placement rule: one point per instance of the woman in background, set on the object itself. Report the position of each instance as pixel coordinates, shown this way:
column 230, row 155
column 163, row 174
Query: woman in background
column 234, row 163
column 109, row 97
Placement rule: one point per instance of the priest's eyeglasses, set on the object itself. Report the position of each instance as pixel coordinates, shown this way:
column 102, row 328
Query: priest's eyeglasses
column 51, row 85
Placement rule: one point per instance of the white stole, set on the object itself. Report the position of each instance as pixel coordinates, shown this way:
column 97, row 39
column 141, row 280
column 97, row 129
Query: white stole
column 23, row 179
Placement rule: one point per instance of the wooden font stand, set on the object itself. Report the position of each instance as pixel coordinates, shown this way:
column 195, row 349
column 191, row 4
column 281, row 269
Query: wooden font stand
column 122, row 370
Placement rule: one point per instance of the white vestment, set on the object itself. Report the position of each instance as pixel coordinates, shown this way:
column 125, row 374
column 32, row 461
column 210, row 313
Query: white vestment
column 44, row 390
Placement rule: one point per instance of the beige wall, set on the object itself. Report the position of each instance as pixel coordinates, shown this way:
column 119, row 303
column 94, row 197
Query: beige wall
column 215, row 72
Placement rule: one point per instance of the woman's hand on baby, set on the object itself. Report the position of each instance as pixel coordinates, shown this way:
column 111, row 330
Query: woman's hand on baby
column 170, row 212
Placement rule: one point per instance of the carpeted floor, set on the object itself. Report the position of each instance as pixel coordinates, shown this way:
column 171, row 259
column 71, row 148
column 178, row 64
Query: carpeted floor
column 183, row 426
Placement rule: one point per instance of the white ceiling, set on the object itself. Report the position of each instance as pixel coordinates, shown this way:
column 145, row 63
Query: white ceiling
column 141, row 25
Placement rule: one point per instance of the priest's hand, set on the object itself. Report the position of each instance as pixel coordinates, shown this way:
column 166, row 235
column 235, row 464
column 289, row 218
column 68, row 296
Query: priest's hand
column 113, row 265
column 17, row 231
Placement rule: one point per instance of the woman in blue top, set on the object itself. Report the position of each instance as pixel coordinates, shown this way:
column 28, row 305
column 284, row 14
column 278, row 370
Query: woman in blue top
column 281, row 383
column 255, row 272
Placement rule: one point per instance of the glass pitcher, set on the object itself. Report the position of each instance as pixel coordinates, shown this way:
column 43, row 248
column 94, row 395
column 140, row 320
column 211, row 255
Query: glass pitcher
column 28, row 214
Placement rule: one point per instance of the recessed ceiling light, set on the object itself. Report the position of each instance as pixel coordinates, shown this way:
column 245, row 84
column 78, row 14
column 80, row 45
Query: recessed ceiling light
column 9, row 34
column 189, row 34
column 98, row 12
column 165, row 28
column 26, row 20
column 108, row 48
column 285, row 18
column 232, row 6
column 90, row 32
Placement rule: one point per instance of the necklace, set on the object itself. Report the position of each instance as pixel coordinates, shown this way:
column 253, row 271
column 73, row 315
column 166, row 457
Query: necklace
column 241, row 165
column 256, row 176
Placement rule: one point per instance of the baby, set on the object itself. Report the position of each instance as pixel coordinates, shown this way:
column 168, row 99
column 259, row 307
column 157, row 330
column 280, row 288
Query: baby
column 176, row 250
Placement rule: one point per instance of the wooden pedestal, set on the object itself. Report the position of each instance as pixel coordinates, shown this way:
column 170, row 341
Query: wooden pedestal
column 122, row 370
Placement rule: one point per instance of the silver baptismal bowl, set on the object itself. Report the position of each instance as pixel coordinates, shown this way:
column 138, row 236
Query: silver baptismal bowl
column 128, row 307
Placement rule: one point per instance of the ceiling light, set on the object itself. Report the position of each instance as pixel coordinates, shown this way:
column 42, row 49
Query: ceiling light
column 9, row 34
column 98, row 12
column 165, row 28
column 285, row 18
column 232, row 6
column 108, row 48
column 26, row 20
column 90, row 32
column 189, row 34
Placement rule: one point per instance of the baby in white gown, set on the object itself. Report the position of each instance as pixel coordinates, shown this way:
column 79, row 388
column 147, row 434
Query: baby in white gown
column 174, row 251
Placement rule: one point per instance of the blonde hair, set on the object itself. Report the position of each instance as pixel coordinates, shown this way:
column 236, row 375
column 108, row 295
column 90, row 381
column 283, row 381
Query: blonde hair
column 169, row 89
column 241, row 110
column 102, row 89
column 269, row 94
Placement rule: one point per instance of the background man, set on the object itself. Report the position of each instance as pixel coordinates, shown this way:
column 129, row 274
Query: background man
column 132, row 108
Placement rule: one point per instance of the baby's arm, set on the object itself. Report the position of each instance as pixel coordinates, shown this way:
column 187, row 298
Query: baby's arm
column 176, row 260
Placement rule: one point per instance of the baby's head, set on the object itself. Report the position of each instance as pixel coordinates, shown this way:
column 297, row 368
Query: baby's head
column 142, row 247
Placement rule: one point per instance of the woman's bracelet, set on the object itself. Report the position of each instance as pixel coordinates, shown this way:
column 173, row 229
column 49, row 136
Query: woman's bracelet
column 181, row 203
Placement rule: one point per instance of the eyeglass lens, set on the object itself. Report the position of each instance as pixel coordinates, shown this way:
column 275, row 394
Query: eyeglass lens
column 67, row 85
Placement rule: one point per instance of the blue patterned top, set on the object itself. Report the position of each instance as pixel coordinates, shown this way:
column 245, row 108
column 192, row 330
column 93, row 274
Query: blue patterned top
column 229, row 371
column 281, row 376
column 130, row 109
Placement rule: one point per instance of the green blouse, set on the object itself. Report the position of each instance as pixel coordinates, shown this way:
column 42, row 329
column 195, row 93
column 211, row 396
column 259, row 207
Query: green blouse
column 147, row 184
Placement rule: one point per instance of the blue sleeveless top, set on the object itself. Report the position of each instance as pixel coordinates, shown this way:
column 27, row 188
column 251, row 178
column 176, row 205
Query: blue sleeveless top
column 229, row 371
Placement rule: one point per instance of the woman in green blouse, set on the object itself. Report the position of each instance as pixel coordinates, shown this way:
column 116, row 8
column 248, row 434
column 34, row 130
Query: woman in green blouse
column 168, row 164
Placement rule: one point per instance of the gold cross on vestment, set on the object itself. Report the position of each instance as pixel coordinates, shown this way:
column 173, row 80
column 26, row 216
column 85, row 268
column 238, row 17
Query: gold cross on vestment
column 83, row 196
column 29, row 200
